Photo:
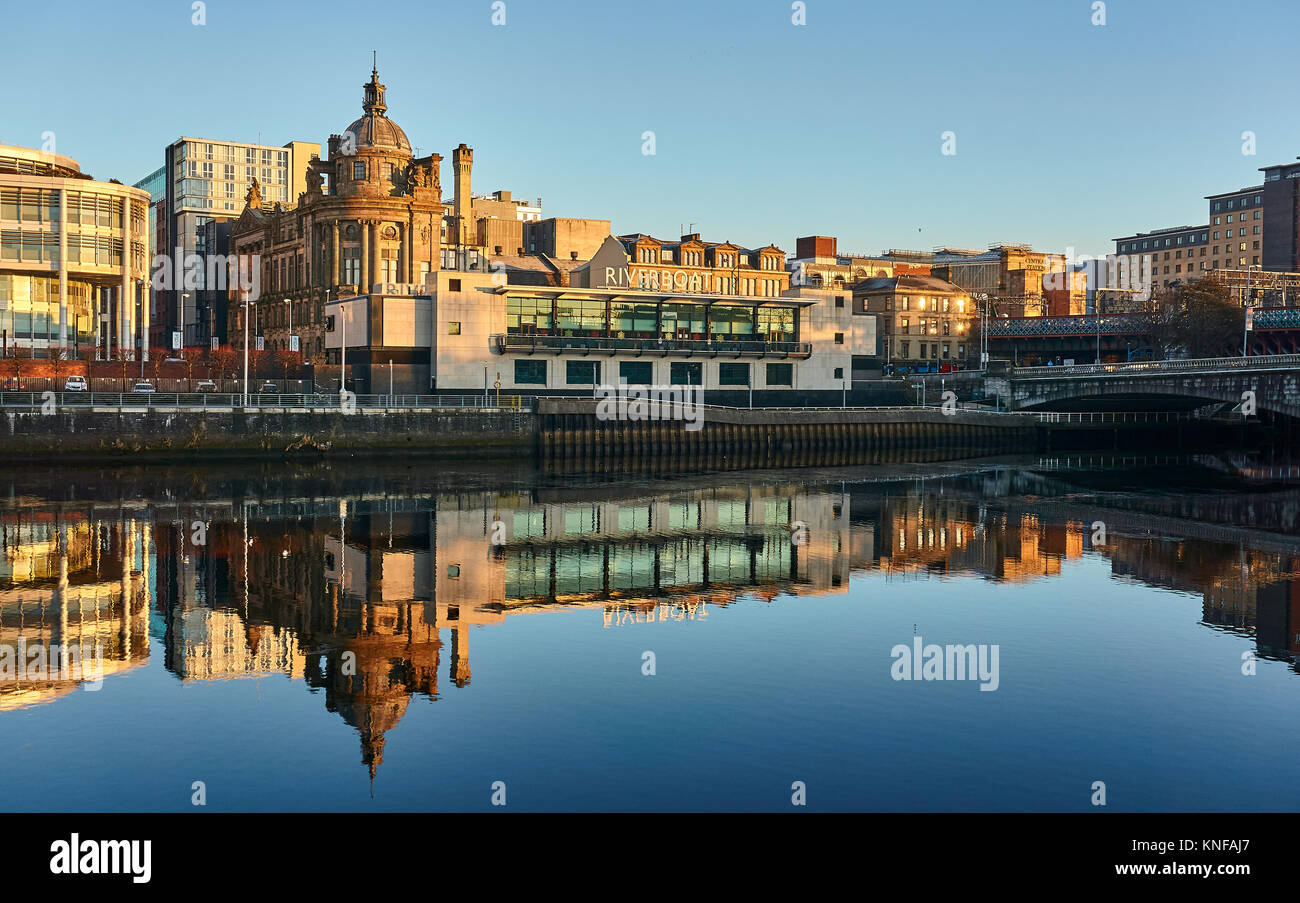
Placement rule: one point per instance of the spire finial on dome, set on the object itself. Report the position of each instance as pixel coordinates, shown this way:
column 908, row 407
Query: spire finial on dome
column 374, row 96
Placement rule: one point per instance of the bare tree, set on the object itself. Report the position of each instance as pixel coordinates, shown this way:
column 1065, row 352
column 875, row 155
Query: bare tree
column 1201, row 319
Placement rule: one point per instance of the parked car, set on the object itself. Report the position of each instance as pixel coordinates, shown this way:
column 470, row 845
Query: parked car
column 268, row 388
column 75, row 384
column 143, row 388
column 205, row 385
column 12, row 384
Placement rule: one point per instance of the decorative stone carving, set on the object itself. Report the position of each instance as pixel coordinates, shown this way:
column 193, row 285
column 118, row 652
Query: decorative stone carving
column 254, row 197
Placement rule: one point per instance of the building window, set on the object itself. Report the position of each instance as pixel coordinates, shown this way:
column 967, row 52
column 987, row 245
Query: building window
column 352, row 265
column 780, row 374
column 636, row 373
column 530, row 373
column 686, row 373
column 453, row 327
column 839, row 301
column 453, row 285
column 733, row 374
column 839, row 373
column 582, row 373
column 359, row 170
column 839, row 338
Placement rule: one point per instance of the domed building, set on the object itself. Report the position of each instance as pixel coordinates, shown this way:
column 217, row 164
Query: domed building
column 372, row 214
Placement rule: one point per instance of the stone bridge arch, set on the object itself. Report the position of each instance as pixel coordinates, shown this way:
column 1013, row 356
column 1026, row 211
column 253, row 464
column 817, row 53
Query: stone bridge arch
column 1277, row 392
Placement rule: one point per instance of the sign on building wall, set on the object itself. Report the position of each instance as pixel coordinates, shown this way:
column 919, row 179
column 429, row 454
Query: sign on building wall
column 399, row 288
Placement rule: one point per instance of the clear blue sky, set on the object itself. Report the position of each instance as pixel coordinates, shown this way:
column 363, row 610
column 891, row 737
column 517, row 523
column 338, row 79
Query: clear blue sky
column 1068, row 134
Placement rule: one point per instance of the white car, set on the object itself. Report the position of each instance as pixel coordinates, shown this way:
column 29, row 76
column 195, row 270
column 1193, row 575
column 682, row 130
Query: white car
column 143, row 389
column 75, row 384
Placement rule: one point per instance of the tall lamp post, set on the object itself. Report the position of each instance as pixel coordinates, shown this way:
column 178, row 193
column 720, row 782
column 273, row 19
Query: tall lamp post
column 139, row 329
column 1246, row 322
column 246, row 319
column 1096, row 303
column 181, row 322
column 289, row 301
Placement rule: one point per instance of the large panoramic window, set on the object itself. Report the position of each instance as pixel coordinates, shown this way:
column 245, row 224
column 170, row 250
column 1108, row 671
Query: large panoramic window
column 776, row 324
column 682, row 321
column 581, row 318
column 630, row 320
column 529, row 316
column 731, row 322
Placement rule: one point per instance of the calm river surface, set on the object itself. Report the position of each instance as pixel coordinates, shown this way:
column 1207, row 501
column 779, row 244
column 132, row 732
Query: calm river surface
column 404, row 636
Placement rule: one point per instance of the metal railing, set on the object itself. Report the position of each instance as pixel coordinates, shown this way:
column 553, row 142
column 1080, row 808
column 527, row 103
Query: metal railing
column 1195, row 365
column 530, row 344
column 1111, row 416
column 1082, row 325
column 202, row 401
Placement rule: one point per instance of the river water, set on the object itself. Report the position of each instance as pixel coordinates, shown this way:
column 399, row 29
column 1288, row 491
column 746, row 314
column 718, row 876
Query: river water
column 997, row 635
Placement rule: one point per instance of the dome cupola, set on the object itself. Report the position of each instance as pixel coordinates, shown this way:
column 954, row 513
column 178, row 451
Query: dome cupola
column 375, row 129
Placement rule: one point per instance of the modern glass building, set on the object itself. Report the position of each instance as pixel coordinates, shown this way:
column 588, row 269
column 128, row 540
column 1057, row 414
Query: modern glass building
column 204, row 182
column 73, row 259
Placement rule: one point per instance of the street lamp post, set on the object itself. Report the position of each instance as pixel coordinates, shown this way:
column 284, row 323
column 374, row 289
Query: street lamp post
column 246, row 319
column 181, row 322
column 289, row 301
column 139, row 336
column 1245, row 325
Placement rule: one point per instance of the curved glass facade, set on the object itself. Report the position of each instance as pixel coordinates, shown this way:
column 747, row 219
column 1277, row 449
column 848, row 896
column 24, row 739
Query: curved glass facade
column 29, row 309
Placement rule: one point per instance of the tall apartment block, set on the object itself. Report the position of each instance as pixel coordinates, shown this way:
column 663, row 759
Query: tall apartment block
column 205, row 183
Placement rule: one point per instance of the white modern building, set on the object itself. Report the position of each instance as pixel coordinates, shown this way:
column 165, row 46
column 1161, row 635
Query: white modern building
column 467, row 332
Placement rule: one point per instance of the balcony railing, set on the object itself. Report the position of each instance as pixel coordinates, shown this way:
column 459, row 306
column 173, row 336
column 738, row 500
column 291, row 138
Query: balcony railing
column 532, row 344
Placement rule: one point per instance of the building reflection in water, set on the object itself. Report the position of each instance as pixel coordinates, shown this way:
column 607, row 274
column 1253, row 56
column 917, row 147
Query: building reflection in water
column 68, row 582
column 356, row 596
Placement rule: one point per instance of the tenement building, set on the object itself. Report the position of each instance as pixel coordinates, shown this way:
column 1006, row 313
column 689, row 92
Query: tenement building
column 74, row 266
column 704, row 266
column 925, row 322
column 371, row 213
